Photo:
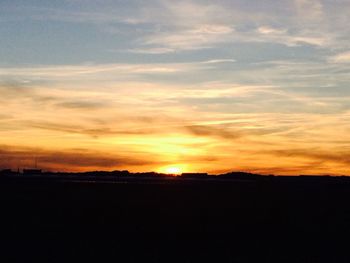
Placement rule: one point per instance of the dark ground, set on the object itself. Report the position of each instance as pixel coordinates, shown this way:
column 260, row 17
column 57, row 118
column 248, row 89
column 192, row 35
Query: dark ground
column 273, row 220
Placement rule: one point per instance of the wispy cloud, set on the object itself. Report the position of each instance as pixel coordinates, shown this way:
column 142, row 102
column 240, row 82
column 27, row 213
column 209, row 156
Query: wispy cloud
column 198, row 37
column 214, row 61
column 341, row 58
column 81, row 70
column 71, row 160
column 338, row 156
column 206, row 130
column 152, row 50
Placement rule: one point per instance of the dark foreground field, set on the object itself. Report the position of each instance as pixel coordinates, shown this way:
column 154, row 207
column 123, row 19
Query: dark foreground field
column 274, row 220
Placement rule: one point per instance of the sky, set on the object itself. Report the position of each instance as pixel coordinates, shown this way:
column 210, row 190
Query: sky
column 201, row 86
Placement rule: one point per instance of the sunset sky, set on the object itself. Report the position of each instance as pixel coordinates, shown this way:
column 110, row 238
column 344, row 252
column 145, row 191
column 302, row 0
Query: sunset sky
column 207, row 86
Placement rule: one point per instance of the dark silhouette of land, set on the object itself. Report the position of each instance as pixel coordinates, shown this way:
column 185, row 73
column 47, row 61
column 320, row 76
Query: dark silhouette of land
column 110, row 176
column 148, row 217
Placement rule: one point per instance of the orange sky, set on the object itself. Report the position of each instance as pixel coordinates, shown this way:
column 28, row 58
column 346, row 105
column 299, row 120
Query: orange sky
column 144, row 129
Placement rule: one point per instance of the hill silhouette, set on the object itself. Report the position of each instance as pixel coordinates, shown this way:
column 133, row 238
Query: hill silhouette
column 234, row 175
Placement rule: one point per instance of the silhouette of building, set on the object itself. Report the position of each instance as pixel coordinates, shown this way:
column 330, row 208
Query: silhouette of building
column 32, row 171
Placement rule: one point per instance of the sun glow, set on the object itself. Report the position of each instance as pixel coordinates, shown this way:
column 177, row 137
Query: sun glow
column 173, row 170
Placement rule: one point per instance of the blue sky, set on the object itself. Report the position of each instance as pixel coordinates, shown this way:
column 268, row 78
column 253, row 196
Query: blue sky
column 66, row 32
column 281, row 66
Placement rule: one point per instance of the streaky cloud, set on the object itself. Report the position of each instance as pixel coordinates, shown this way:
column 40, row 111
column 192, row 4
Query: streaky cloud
column 69, row 160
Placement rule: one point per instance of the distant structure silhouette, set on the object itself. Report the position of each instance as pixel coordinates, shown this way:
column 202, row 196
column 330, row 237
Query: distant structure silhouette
column 34, row 171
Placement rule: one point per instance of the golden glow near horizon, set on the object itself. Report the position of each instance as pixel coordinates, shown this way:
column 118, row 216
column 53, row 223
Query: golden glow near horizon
column 78, row 134
column 200, row 88
column 173, row 170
